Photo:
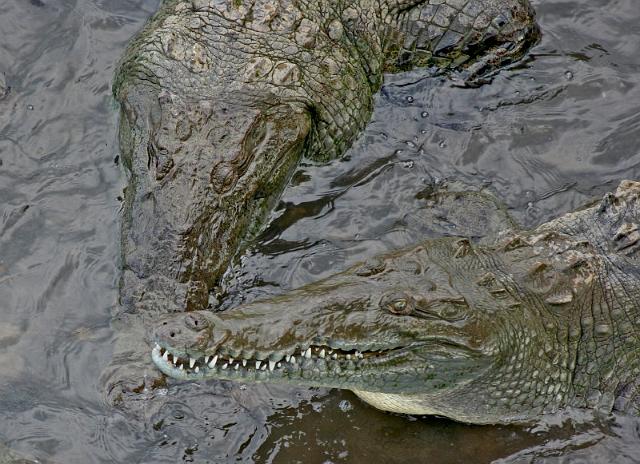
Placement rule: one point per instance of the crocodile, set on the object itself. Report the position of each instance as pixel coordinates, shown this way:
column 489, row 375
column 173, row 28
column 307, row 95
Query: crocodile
column 502, row 329
column 219, row 101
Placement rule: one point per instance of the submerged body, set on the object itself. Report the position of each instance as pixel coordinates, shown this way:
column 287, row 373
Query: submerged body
column 221, row 98
column 495, row 332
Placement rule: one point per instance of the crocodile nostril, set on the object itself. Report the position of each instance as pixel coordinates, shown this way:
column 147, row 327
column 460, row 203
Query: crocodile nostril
column 196, row 322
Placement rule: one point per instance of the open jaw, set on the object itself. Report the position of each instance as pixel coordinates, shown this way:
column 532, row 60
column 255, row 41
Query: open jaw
column 398, row 369
column 300, row 361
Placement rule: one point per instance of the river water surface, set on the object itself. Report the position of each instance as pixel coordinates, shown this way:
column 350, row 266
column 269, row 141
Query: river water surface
column 559, row 129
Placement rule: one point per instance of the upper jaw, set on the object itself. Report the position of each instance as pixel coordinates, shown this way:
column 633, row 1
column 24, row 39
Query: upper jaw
column 254, row 342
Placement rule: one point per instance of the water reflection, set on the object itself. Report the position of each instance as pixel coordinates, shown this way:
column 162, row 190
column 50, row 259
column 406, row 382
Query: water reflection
column 545, row 136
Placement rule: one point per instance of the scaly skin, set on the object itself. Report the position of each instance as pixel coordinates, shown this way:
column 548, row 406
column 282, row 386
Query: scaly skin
column 498, row 332
column 221, row 98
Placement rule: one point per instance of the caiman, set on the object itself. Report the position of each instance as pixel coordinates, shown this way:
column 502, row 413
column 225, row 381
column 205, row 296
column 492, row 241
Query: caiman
column 497, row 330
column 220, row 99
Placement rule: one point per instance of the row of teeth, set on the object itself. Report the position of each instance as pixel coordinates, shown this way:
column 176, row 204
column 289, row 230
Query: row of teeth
column 230, row 363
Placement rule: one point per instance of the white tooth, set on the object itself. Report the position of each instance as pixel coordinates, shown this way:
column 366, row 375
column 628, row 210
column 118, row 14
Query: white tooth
column 272, row 364
column 348, row 356
column 165, row 356
column 180, row 367
column 322, row 353
column 192, row 362
column 175, row 359
column 288, row 358
column 258, row 364
column 197, row 369
column 307, row 354
column 244, row 363
column 293, row 359
column 230, row 361
column 236, row 366
column 224, row 366
column 264, row 367
column 330, row 351
column 334, row 356
column 279, row 365
column 206, row 359
column 213, row 363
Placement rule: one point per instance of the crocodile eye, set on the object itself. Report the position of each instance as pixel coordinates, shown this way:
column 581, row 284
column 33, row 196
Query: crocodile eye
column 398, row 304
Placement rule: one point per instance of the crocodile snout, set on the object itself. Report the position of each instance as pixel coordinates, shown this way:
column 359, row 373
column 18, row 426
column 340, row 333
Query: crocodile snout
column 193, row 331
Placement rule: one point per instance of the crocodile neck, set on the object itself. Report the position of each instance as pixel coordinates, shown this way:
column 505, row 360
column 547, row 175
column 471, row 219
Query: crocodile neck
column 606, row 338
column 601, row 326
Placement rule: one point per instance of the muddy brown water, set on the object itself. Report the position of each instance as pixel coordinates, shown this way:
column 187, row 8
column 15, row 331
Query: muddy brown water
column 553, row 132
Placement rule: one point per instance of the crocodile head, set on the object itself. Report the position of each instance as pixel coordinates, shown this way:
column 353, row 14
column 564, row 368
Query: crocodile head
column 497, row 332
column 407, row 332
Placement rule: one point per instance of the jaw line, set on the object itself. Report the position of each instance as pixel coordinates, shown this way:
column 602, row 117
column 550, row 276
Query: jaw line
column 178, row 364
column 322, row 360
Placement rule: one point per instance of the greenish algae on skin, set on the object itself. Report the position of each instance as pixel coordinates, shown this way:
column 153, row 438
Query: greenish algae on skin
column 220, row 100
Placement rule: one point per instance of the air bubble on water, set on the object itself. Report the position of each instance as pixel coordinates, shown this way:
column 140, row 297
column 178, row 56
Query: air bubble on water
column 30, row 107
column 345, row 406
column 410, row 144
column 442, row 144
column 410, row 99
column 424, row 114
column 568, row 75
column 407, row 164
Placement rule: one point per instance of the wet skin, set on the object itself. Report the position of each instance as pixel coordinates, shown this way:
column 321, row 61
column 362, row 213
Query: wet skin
column 504, row 331
column 221, row 99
